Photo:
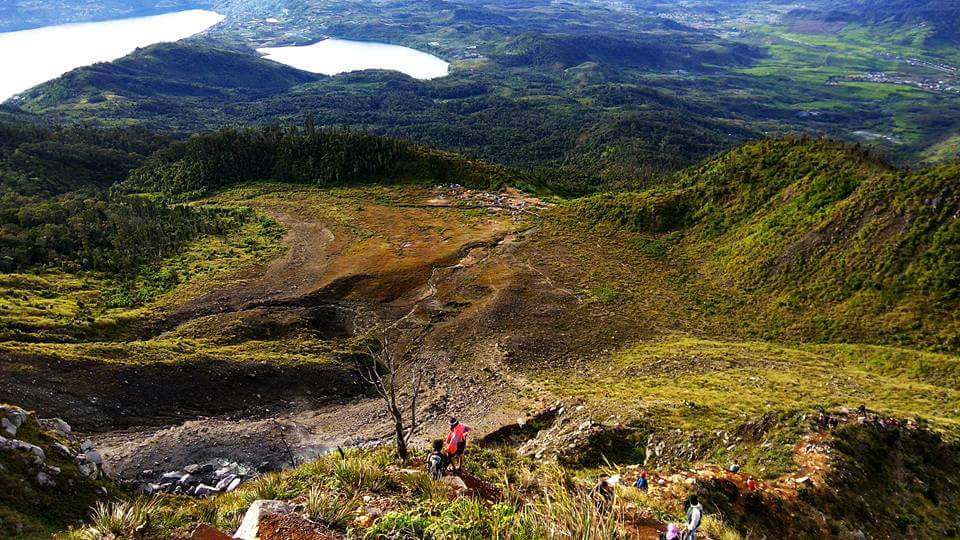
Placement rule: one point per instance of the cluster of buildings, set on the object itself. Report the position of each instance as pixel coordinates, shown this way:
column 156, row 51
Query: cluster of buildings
column 509, row 200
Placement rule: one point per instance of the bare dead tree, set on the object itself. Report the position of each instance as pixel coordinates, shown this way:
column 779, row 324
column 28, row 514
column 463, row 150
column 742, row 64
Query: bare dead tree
column 397, row 379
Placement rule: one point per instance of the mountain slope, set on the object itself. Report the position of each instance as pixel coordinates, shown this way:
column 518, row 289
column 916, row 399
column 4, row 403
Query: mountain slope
column 157, row 77
column 815, row 227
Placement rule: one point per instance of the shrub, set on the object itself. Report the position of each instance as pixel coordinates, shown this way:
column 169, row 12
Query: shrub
column 398, row 526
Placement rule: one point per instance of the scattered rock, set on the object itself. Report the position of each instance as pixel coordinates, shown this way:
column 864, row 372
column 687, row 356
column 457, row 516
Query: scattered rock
column 250, row 526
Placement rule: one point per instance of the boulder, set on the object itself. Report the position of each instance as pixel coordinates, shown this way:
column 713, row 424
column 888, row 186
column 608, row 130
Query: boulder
column 57, row 425
column 233, row 484
column 62, row 448
column 172, row 476
column 225, row 481
column 456, row 484
column 149, row 488
column 45, row 480
column 94, row 457
column 86, row 467
column 11, row 418
column 7, row 427
column 86, row 445
column 204, row 490
column 250, row 526
column 227, row 469
column 189, row 480
column 13, row 445
column 192, row 469
column 206, row 532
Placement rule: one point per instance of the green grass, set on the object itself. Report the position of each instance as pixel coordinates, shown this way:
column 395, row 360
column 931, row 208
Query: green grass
column 54, row 302
column 729, row 381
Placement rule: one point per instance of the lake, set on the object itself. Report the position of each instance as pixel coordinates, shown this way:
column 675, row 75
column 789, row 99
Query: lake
column 31, row 57
column 333, row 56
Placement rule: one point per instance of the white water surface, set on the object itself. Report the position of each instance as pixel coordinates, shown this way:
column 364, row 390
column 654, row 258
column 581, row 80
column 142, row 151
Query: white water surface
column 333, row 56
column 31, row 57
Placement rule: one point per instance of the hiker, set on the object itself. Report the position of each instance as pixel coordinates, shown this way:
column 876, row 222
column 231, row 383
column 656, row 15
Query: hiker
column 734, row 467
column 694, row 516
column 823, row 421
column 641, row 482
column 437, row 462
column 751, row 484
column 605, row 491
column 457, row 443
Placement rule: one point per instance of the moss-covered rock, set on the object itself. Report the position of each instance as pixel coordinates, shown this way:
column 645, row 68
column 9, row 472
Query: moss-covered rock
column 48, row 478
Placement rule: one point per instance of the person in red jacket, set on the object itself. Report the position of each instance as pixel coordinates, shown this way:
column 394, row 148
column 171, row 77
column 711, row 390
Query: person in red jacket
column 456, row 443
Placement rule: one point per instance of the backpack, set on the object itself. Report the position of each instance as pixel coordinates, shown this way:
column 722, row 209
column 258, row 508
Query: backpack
column 436, row 465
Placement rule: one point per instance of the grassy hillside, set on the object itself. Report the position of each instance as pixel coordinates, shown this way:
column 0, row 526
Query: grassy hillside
column 818, row 232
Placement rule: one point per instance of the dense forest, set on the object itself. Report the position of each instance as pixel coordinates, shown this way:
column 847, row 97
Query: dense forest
column 92, row 230
column 56, row 208
column 309, row 155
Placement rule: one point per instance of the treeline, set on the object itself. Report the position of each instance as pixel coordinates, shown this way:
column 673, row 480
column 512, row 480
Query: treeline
column 38, row 159
column 56, row 209
column 301, row 155
column 90, row 230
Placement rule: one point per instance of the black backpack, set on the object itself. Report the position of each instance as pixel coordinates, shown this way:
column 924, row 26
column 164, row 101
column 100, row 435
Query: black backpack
column 436, row 465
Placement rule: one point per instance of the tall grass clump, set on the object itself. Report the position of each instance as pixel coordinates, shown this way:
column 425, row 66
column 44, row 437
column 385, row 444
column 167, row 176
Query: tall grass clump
column 566, row 510
column 330, row 509
column 355, row 474
column 424, row 486
column 120, row 518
